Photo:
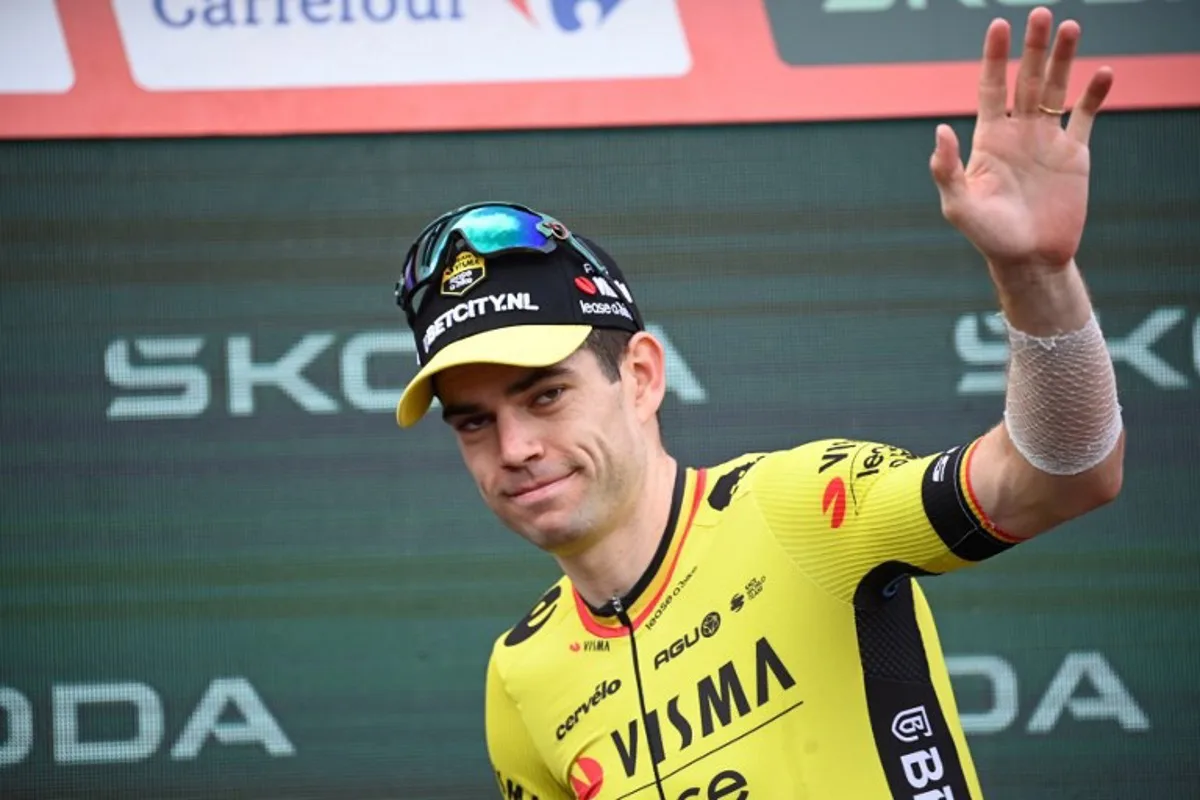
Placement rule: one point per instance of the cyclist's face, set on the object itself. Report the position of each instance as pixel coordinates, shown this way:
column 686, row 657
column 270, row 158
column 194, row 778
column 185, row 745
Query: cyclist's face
column 557, row 453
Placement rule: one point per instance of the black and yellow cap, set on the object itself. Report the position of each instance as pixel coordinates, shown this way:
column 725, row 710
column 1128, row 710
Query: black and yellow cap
column 519, row 309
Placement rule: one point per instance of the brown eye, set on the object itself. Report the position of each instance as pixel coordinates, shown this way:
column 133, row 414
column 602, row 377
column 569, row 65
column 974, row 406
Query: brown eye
column 471, row 424
column 549, row 396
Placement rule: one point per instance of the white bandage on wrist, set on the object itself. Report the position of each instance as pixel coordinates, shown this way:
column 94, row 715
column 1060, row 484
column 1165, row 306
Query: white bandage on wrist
column 1061, row 406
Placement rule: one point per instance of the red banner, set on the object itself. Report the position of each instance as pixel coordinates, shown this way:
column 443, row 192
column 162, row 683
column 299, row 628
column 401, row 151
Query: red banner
column 90, row 68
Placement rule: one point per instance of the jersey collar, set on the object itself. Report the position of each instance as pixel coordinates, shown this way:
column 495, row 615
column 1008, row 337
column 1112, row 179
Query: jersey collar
column 645, row 595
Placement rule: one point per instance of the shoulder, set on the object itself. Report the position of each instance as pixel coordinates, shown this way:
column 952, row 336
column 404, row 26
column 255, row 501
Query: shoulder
column 842, row 457
column 825, row 468
column 534, row 633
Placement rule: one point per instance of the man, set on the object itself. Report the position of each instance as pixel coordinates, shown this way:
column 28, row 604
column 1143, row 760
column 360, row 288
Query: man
column 752, row 629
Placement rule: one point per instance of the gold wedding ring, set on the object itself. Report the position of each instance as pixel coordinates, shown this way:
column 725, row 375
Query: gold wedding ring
column 1057, row 112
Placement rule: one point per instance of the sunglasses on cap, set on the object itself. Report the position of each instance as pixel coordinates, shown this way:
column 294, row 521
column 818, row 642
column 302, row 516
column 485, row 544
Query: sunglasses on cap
column 486, row 229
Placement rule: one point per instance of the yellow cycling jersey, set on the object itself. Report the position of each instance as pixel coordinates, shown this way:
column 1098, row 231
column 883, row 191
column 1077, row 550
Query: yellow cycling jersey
column 776, row 647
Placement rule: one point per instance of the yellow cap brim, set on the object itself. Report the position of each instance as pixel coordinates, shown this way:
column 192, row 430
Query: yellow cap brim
column 517, row 346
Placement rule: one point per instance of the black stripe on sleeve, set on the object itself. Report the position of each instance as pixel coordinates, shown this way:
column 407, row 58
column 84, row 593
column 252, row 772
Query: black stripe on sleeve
column 914, row 743
column 946, row 506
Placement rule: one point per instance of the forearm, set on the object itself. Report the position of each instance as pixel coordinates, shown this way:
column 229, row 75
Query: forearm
column 1058, row 452
column 1061, row 405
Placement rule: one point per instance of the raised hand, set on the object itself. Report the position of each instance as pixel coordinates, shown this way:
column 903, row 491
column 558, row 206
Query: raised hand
column 1022, row 198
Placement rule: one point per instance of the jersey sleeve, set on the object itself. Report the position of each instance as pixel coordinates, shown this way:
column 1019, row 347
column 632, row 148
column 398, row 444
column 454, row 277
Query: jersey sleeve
column 844, row 509
column 519, row 769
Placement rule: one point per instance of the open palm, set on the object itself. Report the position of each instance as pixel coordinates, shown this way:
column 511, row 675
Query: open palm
column 1022, row 197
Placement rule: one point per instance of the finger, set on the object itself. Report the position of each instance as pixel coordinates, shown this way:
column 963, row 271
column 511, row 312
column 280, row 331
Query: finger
column 1084, row 113
column 1028, row 91
column 1058, row 74
column 946, row 167
column 993, row 75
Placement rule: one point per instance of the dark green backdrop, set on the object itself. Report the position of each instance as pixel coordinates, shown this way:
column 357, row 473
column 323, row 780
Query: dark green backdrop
column 280, row 594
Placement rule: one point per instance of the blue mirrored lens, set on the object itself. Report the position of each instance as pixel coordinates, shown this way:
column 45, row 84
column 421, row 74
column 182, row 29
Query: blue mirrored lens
column 491, row 230
column 488, row 230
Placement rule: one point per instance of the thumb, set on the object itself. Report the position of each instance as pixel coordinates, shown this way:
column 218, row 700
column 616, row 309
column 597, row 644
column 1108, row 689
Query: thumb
column 946, row 166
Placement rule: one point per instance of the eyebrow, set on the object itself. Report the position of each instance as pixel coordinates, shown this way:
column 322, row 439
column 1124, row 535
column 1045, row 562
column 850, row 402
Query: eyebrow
column 518, row 386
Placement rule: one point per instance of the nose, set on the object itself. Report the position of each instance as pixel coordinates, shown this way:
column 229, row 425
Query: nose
column 519, row 440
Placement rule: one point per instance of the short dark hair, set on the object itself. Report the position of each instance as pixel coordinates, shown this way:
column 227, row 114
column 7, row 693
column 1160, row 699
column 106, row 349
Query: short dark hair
column 608, row 345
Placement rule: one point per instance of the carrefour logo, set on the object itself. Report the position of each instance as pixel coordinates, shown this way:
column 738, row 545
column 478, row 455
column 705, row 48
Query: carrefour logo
column 570, row 15
column 275, row 44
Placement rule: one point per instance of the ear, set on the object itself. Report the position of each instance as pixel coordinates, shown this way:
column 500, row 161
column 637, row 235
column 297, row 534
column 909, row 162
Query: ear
column 645, row 370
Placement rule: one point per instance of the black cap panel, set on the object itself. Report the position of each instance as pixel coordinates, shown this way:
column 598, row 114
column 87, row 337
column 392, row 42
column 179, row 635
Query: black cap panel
column 475, row 294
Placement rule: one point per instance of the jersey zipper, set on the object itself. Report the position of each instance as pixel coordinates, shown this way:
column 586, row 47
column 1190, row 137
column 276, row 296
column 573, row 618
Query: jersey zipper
column 637, row 679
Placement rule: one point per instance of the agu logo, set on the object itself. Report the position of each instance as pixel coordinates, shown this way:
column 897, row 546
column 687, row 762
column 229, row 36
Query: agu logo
column 566, row 12
column 587, row 778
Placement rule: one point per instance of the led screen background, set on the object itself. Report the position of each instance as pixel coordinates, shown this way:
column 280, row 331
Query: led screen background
column 281, row 594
